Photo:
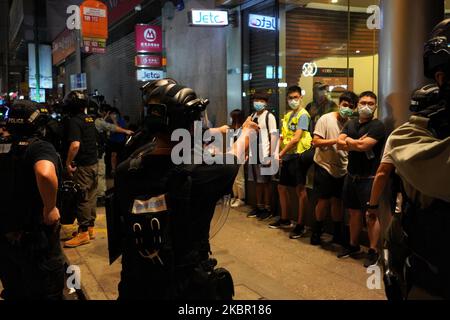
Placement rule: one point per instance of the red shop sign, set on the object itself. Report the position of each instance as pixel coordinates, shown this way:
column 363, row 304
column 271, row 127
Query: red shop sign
column 148, row 38
column 143, row 61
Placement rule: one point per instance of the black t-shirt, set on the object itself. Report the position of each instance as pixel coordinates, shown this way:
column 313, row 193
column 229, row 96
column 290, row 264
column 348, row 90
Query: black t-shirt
column 25, row 196
column 82, row 129
column 365, row 163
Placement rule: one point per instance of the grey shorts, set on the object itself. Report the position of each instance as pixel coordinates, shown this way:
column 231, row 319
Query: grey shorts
column 254, row 174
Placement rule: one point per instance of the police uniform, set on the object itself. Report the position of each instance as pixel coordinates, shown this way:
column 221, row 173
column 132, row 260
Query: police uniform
column 82, row 129
column 31, row 260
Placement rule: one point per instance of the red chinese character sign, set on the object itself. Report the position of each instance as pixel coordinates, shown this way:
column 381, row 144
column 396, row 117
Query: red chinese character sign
column 143, row 61
column 94, row 19
column 148, row 38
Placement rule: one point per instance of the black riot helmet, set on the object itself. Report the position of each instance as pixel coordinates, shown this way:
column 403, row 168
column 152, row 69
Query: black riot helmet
column 437, row 51
column 169, row 106
column 26, row 118
column 424, row 97
column 75, row 102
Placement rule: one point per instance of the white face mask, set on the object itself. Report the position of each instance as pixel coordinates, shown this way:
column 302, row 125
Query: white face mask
column 294, row 103
column 365, row 111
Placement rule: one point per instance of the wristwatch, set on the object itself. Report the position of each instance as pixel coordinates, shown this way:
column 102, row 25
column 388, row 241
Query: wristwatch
column 372, row 207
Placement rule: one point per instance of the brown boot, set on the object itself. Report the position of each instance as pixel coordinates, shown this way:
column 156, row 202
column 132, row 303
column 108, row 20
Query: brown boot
column 91, row 233
column 80, row 239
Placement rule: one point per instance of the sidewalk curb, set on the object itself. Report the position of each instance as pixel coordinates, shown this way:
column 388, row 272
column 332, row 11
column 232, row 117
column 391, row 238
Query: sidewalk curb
column 88, row 280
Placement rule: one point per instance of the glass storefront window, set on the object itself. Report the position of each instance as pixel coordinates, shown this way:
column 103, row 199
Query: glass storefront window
column 326, row 41
column 261, row 70
column 331, row 43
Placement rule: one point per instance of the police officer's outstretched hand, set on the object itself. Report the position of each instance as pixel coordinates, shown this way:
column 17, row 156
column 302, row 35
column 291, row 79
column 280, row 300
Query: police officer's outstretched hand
column 51, row 216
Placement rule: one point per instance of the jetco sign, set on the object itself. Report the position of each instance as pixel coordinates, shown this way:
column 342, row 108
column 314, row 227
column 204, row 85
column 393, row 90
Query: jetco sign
column 262, row 22
column 149, row 75
column 212, row 18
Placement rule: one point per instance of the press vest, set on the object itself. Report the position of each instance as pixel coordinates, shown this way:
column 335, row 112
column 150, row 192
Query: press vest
column 289, row 128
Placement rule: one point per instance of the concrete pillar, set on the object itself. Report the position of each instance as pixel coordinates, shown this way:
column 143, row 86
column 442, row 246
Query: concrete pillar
column 196, row 57
column 406, row 26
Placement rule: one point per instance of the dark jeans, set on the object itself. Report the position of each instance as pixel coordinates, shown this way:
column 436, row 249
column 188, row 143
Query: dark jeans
column 32, row 268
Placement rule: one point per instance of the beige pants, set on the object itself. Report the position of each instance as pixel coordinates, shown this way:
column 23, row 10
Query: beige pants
column 101, row 189
column 239, row 184
column 86, row 177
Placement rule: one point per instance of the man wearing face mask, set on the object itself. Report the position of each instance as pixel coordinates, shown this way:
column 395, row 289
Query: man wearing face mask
column 320, row 105
column 268, row 127
column 330, row 167
column 363, row 138
column 295, row 141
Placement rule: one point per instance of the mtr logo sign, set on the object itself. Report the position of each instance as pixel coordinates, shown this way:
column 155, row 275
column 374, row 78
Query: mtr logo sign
column 262, row 22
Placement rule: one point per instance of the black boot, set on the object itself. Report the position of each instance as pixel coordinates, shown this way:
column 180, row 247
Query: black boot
column 317, row 233
column 338, row 237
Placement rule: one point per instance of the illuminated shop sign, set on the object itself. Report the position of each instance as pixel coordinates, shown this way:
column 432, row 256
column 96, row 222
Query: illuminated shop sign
column 208, row 18
column 262, row 22
column 309, row 69
column 149, row 75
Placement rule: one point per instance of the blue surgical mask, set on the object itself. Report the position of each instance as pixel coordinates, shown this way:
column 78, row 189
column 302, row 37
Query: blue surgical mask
column 259, row 106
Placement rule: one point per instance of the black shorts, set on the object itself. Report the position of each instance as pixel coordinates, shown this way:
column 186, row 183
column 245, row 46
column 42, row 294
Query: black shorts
column 325, row 185
column 116, row 147
column 356, row 192
column 292, row 173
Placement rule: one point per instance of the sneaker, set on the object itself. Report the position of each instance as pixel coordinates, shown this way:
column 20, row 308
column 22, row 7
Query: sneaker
column 80, row 239
column 265, row 214
column 348, row 252
column 315, row 239
column 372, row 258
column 338, row 240
column 298, row 232
column 281, row 224
column 68, row 231
column 91, row 233
column 254, row 213
column 237, row 203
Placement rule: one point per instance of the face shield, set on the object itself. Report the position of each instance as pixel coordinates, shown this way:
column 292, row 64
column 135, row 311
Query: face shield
column 220, row 215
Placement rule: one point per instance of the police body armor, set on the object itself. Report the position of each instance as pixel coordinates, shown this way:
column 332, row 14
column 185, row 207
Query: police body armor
column 418, row 239
column 15, row 213
column 147, row 217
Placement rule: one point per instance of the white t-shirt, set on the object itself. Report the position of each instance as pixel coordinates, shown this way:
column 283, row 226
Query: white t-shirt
column 333, row 160
column 265, row 130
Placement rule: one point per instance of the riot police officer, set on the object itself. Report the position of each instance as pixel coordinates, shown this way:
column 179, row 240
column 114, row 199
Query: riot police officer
column 81, row 163
column 31, row 261
column 419, row 150
column 167, row 208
